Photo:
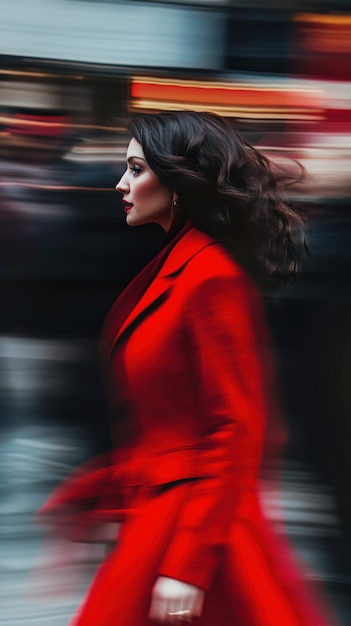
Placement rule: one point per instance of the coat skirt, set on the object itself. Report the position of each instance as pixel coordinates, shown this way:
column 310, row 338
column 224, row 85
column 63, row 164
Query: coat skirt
column 256, row 584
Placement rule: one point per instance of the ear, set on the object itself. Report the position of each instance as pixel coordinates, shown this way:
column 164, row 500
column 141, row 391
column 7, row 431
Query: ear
column 174, row 199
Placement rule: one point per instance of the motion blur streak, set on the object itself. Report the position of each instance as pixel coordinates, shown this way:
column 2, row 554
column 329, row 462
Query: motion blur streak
column 329, row 33
column 71, row 73
column 235, row 99
column 47, row 126
column 118, row 32
column 52, row 187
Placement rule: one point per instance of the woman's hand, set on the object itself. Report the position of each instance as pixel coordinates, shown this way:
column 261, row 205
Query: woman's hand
column 174, row 601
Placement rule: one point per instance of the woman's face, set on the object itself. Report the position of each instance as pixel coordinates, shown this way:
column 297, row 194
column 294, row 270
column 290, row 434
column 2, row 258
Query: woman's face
column 145, row 199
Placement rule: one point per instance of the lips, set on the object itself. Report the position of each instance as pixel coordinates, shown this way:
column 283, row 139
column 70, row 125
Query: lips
column 127, row 205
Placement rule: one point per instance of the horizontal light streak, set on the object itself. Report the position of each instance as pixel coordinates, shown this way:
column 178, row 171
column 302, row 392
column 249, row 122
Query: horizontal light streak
column 12, row 121
column 205, row 84
column 218, row 93
column 35, row 74
column 53, row 187
column 325, row 33
column 332, row 19
column 246, row 112
column 267, row 101
column 105, row 154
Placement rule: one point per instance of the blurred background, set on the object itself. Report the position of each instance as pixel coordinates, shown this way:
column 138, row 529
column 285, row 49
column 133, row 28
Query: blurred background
column 71, row 72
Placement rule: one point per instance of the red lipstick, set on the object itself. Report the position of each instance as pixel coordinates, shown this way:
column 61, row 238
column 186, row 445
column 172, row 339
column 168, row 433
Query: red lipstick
column 127, row 205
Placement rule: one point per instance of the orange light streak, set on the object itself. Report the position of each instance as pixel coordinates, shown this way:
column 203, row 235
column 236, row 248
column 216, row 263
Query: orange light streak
column 224, row 97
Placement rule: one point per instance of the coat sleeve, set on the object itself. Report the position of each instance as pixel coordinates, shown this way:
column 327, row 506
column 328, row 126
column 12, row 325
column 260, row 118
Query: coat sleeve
column 220, row 317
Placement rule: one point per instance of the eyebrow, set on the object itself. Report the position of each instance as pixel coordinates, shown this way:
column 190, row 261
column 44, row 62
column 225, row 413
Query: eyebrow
column 135, row 157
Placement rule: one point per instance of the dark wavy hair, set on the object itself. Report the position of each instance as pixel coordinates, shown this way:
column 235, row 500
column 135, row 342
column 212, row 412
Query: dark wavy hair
column 227, row 189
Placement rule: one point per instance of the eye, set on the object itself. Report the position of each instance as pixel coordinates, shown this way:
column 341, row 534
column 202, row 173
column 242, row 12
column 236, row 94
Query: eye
column 136, row 170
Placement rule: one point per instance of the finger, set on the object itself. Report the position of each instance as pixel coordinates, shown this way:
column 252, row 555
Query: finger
column 158, row 609
column 198, row 603
column 172, row 608
column 187, row 608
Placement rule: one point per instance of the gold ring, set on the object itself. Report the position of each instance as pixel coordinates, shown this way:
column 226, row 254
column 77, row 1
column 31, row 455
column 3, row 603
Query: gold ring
column 183, row 614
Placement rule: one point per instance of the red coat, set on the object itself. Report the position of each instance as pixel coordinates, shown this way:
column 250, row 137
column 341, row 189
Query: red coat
column 186, row 386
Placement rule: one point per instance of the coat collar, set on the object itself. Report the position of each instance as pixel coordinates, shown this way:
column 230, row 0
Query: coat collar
column 190, row 244
column 151, row 286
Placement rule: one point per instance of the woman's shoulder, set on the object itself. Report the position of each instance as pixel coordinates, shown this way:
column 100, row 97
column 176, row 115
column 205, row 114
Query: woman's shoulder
column 212, row 260
column 212, row 275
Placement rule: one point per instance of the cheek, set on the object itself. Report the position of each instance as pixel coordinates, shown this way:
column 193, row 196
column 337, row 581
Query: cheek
column 151, row 190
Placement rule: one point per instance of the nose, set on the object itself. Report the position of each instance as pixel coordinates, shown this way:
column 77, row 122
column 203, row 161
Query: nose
column 122, row 185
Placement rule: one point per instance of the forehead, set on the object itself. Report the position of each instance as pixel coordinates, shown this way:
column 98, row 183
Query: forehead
column 135, row 149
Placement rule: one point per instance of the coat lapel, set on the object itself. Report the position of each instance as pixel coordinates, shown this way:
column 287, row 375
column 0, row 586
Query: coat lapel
column 157, row 292
column 151, row 287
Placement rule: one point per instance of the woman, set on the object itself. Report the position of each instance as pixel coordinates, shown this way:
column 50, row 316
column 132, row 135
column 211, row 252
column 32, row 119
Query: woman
column 186, row 383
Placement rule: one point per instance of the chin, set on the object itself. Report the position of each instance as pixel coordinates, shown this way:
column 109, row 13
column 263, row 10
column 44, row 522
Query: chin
column 132, row 221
